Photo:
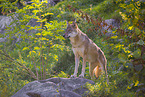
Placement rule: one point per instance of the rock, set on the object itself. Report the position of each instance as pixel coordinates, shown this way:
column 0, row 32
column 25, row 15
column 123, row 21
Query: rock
column 33, row 23
column 53, row 2
column 6, row 21
column 109, row 22
column 55, row 87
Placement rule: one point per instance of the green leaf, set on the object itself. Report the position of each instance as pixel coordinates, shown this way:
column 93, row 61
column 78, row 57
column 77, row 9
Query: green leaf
column 122, row 57
column 114, row 31
column 42, row 20
column 45, row 33
column 22, row 26
column 137, row 31
column 46, row 14
column 38, row 34
column 43, row 38
column 137, row 53
column 140, row 42
column 129, row 87
column 114, row 37
column 25, row 48
column 30, row 7
column 55, row 57
column 136, row 83
column 36, row 48
column 35, row 11
column 130, row 28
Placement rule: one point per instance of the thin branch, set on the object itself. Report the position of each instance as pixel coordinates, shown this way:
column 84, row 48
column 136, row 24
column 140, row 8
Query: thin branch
column 29, row 71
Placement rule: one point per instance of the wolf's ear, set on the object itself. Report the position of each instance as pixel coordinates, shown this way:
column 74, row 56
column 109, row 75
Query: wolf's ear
column 74, row 24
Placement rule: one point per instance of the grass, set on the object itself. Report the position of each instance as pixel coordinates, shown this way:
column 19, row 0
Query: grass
column 103, row 8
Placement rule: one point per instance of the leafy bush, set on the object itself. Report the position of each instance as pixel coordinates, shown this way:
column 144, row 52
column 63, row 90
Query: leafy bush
column 35, row 52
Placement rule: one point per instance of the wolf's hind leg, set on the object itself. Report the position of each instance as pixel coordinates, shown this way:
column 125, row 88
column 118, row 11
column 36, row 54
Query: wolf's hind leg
column 91, row 69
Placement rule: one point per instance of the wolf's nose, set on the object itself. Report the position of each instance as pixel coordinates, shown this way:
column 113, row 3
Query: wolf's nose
column 63, row 35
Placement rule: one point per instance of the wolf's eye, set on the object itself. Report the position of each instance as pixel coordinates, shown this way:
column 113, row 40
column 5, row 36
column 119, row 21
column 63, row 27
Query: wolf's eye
column 68, row 31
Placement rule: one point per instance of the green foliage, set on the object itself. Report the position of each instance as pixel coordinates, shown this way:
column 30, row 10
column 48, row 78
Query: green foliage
column 128, row 48
column 117, row 86
column 35, row 52
column 62, row 75
column 34, row 55
column 65, row 63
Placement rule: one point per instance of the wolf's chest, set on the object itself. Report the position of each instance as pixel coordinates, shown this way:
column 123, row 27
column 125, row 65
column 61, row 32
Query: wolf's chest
column 79, row 51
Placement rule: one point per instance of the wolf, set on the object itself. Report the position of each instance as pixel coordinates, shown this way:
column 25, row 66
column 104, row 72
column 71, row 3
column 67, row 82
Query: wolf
column 84, row 47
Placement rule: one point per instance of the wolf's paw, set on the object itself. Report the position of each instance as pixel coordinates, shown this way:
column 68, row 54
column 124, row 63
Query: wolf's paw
column 81, row 76
column 73, row 76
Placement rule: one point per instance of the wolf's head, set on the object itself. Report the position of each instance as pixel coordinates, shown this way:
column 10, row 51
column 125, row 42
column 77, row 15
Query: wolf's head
column 71, row 30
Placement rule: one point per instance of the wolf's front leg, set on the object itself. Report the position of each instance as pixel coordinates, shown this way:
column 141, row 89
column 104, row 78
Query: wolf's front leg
column 76, row 66
column 83, row 69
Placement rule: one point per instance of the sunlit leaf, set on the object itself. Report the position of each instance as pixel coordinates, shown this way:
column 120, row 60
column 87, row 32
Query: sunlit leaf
column 114, row 37
column 25, row 48
column 30, row 7
column 36, row 48
column 42, row 20
column 130, row 28
column 55, row 57
column 129, row 87
column 45, row 33
column 43, row 38
column 35, row 11
column 136, row 83
column 31, row 53
column 38, row 34
column 46, row 14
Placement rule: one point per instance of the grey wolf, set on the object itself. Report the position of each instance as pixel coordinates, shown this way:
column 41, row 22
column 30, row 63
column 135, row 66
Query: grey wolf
column 84, row 47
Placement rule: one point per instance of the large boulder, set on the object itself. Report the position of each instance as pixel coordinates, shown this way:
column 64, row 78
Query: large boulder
column 55, row 87
column 4, row 21
column 7, row 20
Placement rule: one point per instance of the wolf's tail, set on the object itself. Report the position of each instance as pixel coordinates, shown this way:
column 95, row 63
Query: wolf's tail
column 97, row 71
column 103, row 62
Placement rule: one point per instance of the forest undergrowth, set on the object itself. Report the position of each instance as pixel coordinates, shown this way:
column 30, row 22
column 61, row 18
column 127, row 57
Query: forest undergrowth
column 39, row 52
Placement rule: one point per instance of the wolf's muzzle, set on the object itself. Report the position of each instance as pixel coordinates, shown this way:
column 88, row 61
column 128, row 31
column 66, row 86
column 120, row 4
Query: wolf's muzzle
column 65, row 36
